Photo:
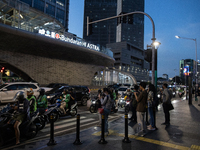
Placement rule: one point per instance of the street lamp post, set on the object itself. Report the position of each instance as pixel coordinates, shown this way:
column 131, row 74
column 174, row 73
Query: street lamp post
column 195, row 40
column 153, row 35
column 175, row 77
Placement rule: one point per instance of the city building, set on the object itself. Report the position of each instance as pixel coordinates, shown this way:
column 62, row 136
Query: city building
column 165, row 76
column 58, row 9
column 188, row 66
column 128, row 28
column 123, row 36
column 130, row 58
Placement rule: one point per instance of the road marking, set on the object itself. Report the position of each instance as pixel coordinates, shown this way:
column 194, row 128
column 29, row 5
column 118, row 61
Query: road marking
column 195, row 147
column 67, row 125
column 65, row 121
column 161, row 143
column 55, row 133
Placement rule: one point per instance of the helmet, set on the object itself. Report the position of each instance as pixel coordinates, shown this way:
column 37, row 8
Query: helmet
column 19, row 96
column 65, row 90
column 30, row 91
column 42, row 91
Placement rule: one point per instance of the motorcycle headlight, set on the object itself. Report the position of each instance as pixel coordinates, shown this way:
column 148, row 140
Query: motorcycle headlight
column 48, row 97
column 93, row 102
column 158, row 96
column 120, row 100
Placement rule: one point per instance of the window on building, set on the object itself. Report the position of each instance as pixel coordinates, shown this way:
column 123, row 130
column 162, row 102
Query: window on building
column 39, row 4
column 115, row 54
column 60, row 15
column 50, row 9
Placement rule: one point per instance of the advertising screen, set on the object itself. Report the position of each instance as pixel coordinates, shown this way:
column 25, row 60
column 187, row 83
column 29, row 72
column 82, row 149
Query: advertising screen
column 186, row 71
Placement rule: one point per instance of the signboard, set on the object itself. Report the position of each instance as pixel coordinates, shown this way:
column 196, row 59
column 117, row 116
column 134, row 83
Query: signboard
column 186, row 70
column 68, row 40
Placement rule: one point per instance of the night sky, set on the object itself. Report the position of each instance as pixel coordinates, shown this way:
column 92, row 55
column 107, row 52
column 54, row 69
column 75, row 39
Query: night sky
column 171, row 17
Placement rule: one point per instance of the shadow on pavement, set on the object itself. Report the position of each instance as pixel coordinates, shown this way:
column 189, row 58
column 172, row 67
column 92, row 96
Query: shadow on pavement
column 174, row 133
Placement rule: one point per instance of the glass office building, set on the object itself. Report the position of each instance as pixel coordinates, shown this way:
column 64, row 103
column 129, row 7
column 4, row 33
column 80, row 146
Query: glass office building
column 58, row 9
column 130, row 28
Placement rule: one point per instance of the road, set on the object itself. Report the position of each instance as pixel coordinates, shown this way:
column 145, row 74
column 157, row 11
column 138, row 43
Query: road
column 67, row 125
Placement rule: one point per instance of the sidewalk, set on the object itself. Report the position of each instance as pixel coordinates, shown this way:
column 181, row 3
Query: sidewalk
column 183, row 133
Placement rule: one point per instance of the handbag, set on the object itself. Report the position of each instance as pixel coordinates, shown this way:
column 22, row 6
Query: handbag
column 100, row 110
column 170, row 106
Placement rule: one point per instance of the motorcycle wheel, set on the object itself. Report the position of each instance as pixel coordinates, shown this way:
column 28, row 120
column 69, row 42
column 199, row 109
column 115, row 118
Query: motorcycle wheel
column 93, row 109
column 84, row 101
column 73, row 112
column 43, row 123
column 32, row 131
column 1, row 141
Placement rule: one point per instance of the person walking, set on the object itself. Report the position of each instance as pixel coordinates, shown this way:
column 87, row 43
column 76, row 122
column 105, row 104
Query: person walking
column 166, row 102
column 150, row 99
column 106, row 103
column 141, row 107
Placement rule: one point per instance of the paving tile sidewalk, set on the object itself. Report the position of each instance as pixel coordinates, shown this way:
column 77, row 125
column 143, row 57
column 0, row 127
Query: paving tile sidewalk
column 183, row 133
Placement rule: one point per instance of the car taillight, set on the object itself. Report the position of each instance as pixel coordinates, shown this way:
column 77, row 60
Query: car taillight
column 46, row 109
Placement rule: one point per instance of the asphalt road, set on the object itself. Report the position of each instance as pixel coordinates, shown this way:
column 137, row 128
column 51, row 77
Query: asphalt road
column 67, row 124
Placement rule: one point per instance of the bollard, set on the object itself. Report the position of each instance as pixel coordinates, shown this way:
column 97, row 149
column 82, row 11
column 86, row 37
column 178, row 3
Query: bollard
column 77, row 141
column 102, row 140
column 52, row 141
column 126, row 139
column 147, row 113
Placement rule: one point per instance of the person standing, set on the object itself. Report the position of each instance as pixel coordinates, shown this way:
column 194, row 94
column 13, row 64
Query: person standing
column 106, row 103
column 134, row 104
column 151, row 96
column 166, row 102
column 141, row 107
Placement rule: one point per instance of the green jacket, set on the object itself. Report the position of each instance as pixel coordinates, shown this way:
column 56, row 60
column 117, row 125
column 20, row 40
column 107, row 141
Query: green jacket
column 42, row 101
column 66, row 98
column 114, row 96
column 33, row 104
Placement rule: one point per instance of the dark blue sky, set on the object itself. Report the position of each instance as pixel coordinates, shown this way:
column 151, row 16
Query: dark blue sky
column 171, row 17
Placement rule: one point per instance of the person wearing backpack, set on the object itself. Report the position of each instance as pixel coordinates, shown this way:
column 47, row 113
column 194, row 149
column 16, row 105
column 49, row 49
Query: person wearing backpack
column 166, row 102
column 106, row 104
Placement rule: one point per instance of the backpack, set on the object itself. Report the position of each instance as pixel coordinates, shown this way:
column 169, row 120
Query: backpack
column 155, row 101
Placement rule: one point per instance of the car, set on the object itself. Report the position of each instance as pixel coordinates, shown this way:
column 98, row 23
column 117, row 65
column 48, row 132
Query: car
column 82, row 93
column 122, row 89
column 8, row 90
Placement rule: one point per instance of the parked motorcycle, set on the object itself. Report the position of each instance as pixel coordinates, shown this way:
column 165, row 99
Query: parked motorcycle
column 28, row 128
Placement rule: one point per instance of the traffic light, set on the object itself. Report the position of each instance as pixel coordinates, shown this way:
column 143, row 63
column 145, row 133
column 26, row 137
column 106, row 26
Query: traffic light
column 2, row 69
column 148, row 57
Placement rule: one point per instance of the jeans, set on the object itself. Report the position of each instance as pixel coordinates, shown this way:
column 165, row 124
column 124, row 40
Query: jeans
column 166, row 111
column 106, row 113
column 150, row 109
column 140, row 120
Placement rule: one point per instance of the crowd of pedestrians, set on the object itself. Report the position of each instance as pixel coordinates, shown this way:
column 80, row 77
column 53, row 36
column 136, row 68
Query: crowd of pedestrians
column 144, row 101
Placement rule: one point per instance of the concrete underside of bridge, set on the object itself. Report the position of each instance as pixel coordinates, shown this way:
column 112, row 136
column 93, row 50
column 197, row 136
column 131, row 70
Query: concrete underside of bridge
column 46, row 60
column 46, row 70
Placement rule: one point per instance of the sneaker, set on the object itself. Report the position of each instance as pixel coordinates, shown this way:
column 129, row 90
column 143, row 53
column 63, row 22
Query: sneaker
column 151, row 128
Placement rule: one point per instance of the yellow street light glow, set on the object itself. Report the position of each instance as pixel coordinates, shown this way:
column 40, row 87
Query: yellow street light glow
column 156, row 43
